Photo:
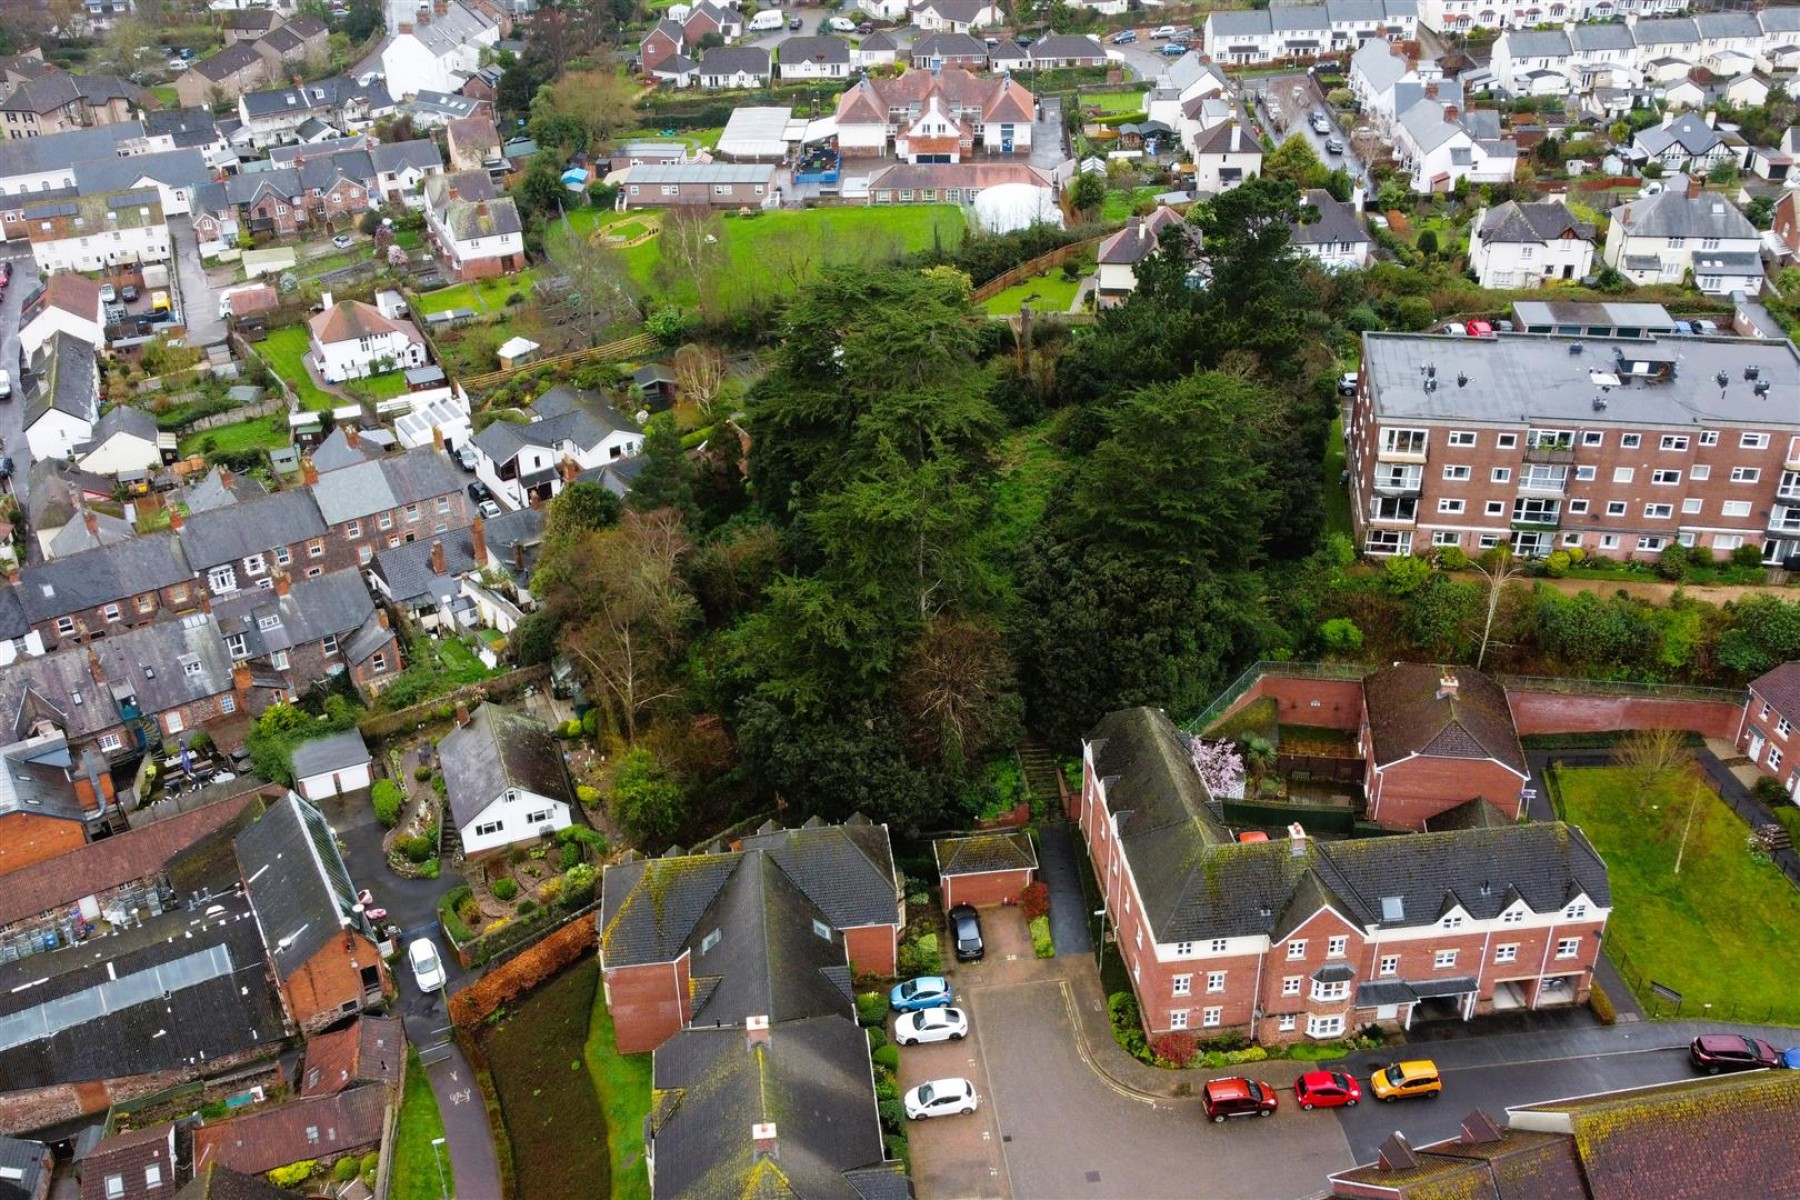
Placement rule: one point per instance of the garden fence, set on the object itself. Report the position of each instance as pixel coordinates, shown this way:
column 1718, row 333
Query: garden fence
column 1032, row 269
column 1662, row 1000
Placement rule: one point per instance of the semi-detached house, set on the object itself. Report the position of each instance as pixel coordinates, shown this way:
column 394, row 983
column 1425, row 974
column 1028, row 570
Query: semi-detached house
column 1766, row 732
column 1298, row 939
column 1683, row 230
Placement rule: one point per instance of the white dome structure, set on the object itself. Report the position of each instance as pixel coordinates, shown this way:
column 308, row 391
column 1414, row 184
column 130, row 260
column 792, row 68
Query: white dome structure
column 1011, row 206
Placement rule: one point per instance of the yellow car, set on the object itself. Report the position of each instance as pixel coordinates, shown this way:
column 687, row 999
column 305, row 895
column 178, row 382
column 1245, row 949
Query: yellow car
column 1405, row 1080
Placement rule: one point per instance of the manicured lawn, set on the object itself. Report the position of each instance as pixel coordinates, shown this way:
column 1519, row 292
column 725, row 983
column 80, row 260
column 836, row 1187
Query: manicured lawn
column 1722, row 931
column 1045, row 293
column 260, row 433
column 760, row 253
column 1111, row 103
column 379, row 387
column 460, row 662
column 483, row 295
column 622, row 1082
column 415, row 1174
column 285, row 350
column 1119, row 205
column 169, row 97
column 553, row 1116
column 1337, row 499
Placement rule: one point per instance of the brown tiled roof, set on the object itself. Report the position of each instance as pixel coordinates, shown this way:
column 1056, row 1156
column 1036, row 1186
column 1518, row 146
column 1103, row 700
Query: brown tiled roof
column 73, row 293
column 1407, row 716
column 1139, row 237
column 127, row 1154
column 98, row 866
column 254, row 300
column 368, row 1050
column 314, row 1127
column 222, row 1183
column 1781, row 688
column 348, row 320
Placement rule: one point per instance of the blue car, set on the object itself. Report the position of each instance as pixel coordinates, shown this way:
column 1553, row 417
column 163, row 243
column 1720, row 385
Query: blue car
column 927, row 991
column 1175, row 49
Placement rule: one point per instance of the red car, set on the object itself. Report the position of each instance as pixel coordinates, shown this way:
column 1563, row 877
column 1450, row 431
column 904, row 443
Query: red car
column 1480, row 329
column 1327, row 1089
column 1715, row 1052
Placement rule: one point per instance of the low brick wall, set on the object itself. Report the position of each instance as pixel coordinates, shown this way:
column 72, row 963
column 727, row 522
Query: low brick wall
column 1537, row 712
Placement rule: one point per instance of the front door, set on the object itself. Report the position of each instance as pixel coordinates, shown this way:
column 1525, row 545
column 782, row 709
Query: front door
column 1756, row 747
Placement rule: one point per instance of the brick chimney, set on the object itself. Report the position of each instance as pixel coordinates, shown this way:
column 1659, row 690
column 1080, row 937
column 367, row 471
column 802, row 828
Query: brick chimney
column 240, row 680
column 437, row 556
column 756, row 1030
column 381, row 617
column 441, row 7
column 569, row 469
column 437, row 436
column 450, row 188
column 518, row 556
column 308, row 472
column 1451, row 114
column 762, row 1134
column 1694, row 187
column 175, row 517
column 478, row 541
column 481, row 211
column 226, row 479
column 283, row 584
column 462, row 714
column 1447, row 685
column 1297, row 840
column 94, row 667
column 91, row 521
column 352, row 437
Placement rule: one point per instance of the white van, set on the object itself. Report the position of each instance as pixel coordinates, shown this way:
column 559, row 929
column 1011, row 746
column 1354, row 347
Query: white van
column 766, row 20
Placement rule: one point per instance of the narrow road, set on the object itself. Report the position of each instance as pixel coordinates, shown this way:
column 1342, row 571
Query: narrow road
column 199, row 308
column 12, row 411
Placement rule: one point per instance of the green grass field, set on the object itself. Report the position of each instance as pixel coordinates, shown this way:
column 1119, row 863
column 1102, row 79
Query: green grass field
column 762, row 255
column 553, row 1116
column 482, row 296
column 285, row 351
column 259, row 433
column 1114, row 103
column 622, row 1082
column 1045, row 293
column 415, row 1174
column 1119, row 205
column 1722, row 931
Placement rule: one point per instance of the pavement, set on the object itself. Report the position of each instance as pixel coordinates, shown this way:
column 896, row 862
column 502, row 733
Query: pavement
column 12, row 412
column 1286, row 104
column 199, row 308
column 1069, row 925
column 1049, row 136
column 412, row 905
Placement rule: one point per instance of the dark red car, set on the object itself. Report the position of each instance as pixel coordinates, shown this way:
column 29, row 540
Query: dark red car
column 1327, row 1089
column 1715, row 1052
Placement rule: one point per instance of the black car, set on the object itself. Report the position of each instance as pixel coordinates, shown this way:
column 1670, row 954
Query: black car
column 794, row 21
column 478, row 491
column 128, row 293
column 966, row 926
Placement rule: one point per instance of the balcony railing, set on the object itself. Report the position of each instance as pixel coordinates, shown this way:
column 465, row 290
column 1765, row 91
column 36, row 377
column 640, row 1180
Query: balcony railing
column 1550, row 452
column 1541, row 487
column 1384, row 454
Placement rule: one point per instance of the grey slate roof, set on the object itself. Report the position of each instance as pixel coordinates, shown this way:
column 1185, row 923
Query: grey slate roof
column 500, row 749
column 1728, row 25
column 1425, row 122
column 389, row 482
column 333, row 752
column 651, row 908
column 815, row 49
column 769, row 962
column 336, row 452
column 298, row 885
column 982, row 852
column 1234, row 23
column 1197, row 883
column 1609, row 36
column 810, row 1080
column 1378, row 64
column 519, row 527
column 1066, row 45
column 334, row 604
column 35, row 775
column 472, row 219
column 420, row 153
column 76, row 537
column 1337, row 222
column 214, row 492
column 585, row 427
column 174, row 168
column 51, row 589
column 371, row 637
column 65, row 367
column 1661, row 31
column 731, row 60
column 1535, row 43
column 1674, row 214
column 23, row 156
column 1689, row 130
column 323, row 171
column 257, row 526
column 227, row 62
column 406, row 569
column 124, row 419
column 449, row 30
column 289, row 101
column 12, row 614
column 1515, row 222
column 23, row 1166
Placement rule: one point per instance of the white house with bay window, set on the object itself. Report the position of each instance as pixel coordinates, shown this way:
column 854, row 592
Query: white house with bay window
column 504, row 780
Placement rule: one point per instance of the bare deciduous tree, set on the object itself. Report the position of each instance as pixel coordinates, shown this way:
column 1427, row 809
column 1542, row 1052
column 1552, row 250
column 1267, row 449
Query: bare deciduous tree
column 691, row 245
column 699, row 374
column 600, row 292
column 957, row 691
column 1503, row 572
column 1664, row 772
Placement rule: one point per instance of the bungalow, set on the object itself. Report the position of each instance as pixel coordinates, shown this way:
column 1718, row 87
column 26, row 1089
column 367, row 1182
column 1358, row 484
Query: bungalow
column 314, row 930
column 1066, row 50
column 879, row 49
column 814, row 58
column 734, row 67
column 352, row 340
column 935, row 50
column 720, row 185
column 955, row 16
column 505, row 779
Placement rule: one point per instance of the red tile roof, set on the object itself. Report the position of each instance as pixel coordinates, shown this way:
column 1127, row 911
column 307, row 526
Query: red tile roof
column 315, row 1127
column 368, row 1050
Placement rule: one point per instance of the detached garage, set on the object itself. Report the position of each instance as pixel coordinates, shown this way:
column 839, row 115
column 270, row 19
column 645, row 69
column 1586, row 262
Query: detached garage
column 987, row 868
column 331, row 766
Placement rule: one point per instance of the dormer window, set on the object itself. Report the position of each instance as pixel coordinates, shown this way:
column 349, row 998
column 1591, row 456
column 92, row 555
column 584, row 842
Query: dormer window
column 1513, row 916
column 1577, row 911
column 1453, row 921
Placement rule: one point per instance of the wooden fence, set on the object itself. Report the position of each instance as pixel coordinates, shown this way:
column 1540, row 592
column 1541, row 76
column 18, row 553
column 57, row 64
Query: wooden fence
column 630, row 347
column 1034, row 268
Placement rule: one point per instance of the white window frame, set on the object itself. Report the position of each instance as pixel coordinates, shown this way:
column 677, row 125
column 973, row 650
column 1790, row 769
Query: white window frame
column 1183, row 985
column 1296, row 949
column 1568, row 948
column 1506, row 952
column 1212, row 1018
column 1215, row 982
column 1444, row 960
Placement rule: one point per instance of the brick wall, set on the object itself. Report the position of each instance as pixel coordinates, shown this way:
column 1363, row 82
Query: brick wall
column 26, row 838
column 649, row 1003
column 1405, row 793
column 986, row 888
column 872, row 949
column 1327, row 703
column 329, row 984
column 35, row 1108
column 1563, row 712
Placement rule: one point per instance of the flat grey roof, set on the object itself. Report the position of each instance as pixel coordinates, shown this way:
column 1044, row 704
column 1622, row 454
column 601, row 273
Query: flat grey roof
column 702, row 173
column 1521, row 379
column 1575, row 312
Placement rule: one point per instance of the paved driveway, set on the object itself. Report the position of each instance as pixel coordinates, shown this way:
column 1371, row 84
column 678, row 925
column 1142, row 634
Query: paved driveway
column 199, row 307
column 12, row 434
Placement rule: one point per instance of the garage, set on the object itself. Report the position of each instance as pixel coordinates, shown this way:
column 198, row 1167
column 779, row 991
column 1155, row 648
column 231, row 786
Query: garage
column 332, row 766
column 985, row 868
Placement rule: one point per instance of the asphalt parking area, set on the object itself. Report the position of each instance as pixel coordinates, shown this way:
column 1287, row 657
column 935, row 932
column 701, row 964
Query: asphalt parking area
column 958, row 1156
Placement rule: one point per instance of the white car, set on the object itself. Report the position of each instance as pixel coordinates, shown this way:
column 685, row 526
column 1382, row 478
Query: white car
column 841, row 25
column 1162, row 33
column 931, row 1025
column 5, row 386
column 489, row 509
column 1457, row 329
column 343, row 241
column 941, row 1097
column 427, row 967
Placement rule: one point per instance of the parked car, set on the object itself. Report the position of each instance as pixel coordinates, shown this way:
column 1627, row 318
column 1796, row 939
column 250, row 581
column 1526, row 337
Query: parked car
column 1162, row 33
column 5, row 386
column 1480, row 329
column 1175, row 49
column 1321, row 123
column 1347, row 383
column 794, row 21
column 1238, row 1097
column 866, row 28
column 1403, row 1080
column 489, row 509
column 965, row 924
column 1457, row 329
column 466, row 456
column 5, row 273
column 841, row 25
column 927, row 991
column 1715, row 1052
column 128, row 293
column 343, row 241
column 478, row 491
column 1334, row 145
column 932, row 1025
column 1706, row 328
column 1327, row 1089
column 427, row 967
column 941, row 1097
column 108, row 293
column 1124, row 37
column 1685, row 328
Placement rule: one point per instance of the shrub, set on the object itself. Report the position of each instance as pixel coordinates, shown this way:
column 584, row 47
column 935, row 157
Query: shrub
column 877, row 1038
column 439, row 786
column 571, row 728
column 588, row 795
column 893, row 1113
column 450, row 912
column 416, row 849
column 1040, row 937
column 590, row 722
column 344, row 1170
column 1034, row 901
column 1673, row 563
column 1557, row 564
column 430, row 870
column 527, row 906
column 505, row 889
column 871, row 1008
column 387, row 798
column 421, row 773
column 571, row 856
column 1770, row 792
column 1452, row 558
column 930, row 961
column 1178, row 1049
column 1602, row 1005
column 1341, row 636
column 887, row 1056
column 1747, row 556
column 293, row 1174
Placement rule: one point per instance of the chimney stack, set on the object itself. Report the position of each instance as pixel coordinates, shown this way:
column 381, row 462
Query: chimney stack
column 462, row 714
column 94, row 667
column 325, row 301
column 442, row 7
column 1297, row 840
column 308, row 472
column 240, row 679
column 570, row 469
column 437, row 437
column 175, row 517
column 1447, row 685
column 756, row 1029
column 437, row 556
column 1237, row 136
column 763, row 1135
column 352, row 437
column 478, row 541
column 1694, row 187
column 450, row 188
column 1450, row 114
column 226, row 479
column 381, row 617
column 283, row 584
column 91, row 521
column 519, row 556
column 405, row 28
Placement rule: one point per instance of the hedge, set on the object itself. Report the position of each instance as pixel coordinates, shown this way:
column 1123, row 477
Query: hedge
column 871, row 1008
column 519, row 975
column 453, row 924
column 1040, row 938
column 387, row 799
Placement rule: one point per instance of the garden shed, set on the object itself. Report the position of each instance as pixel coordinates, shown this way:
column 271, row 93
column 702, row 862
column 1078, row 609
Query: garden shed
column 985, row 868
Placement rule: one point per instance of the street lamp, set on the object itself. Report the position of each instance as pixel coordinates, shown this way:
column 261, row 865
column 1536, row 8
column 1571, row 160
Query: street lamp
column 437, row 1157
column 1100, row 961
